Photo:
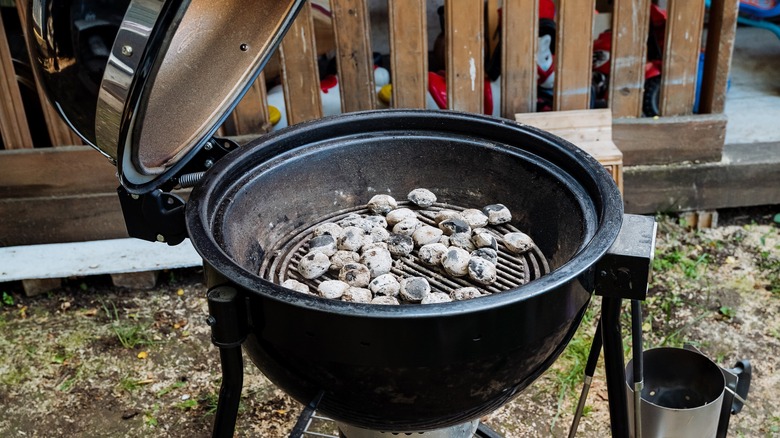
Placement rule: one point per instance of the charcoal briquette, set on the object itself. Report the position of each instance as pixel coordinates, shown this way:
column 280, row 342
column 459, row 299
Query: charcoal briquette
column 351, row 239
column 454, row 226
column 518, row 242
column 482, row 271
column 325, row 244
column 313, row 264
column 497, row 214
column 355, row 274
column 332, row 289
column 421, row 197
column 414, row 289
column 386, row 284
column 465, row 293
column 400, row 245
column 341, row 258
column 378, row 260
column 407, row 227
column 357, row 295
column 382, row 204
column 474, row 217
column 436, row 297
column 296, row 286
column 385, row 301
column 488, row 254
column 432, row 253
column 456, row 261
column 398, row 215
column 426, row 234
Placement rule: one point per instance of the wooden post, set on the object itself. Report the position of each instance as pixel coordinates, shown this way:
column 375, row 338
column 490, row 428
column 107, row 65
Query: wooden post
column 408, row 52
column 465, row 43
column 573, row 54
column 13, row 121
column 681, row 56
column 353, row 52
column 721, row 30
column 300, row 76
column 630, row 20
column 519, row 29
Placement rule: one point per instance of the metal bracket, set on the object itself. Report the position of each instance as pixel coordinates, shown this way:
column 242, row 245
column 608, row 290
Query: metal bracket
column 624, row 271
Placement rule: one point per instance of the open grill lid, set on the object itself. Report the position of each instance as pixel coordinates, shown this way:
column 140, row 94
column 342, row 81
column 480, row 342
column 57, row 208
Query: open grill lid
column 148, row 82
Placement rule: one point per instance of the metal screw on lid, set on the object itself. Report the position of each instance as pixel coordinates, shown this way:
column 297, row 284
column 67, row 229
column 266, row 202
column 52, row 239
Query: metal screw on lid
column 127, row 50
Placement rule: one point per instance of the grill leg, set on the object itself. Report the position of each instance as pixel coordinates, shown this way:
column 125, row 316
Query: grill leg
column 229, row 392
column 614, row 366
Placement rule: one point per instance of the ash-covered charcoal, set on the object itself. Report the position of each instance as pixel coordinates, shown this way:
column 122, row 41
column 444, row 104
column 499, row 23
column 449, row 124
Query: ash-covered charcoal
column 313, row 264
column 497, row 214
column 385, row 301
column 407, row 227
column 351, row 220
column 378, row 260
column 445, row 240
column 421, row 197
column 372, row 245
column 443, row 215
column 482, row 271
column 436, row 297
column 462, row 240
column 456, row 261
column 382, row 204
column 400, row 245
column 426, row 234
column 325, row 244
column 475, row 218
column 386, row 284
column 375, row 222
column 414, row 289
column 454, row 226
column 355, row 274
column 332, row 289
column 357, row 295
column 379, row 235
column 341, row 258
column 432, row 253
column 351, row 239
column 465, row 293
column 484, row 239
column 398, row 215
column 488, row 254
column 296, row 286
column 518, row 242
column 329, row 228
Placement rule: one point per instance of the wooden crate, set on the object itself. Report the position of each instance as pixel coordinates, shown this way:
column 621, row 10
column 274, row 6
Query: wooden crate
column 67, row 192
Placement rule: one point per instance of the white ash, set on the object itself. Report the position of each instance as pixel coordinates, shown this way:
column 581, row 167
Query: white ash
column 445, row 240
column 377, row 260
column 379, row 234
column 355, row 274
column 325, row 244
column 462, row 240
column 407, row 227
column 398, row 215
column 313, row 264
column 351, row 220
column 332, row 289
column 368, row 242
column 382, row 204
column 456, row 261
column 484, row 239
column 357, row 295
column 385, row 300
column 426, row 234
column 432, row 253
column 475, row 218
column 386, row 284
column 436, row 297
column 488, row 254
column 497, row 214
column 454, row 226
column 341, row 258
column 482, row 271
column 421, row 197
column 414, row 289
column 518, row 242
column 443, row 215
column 400, row 245
column 351, row 239
column 465, row 293
column 330, row 228
column 296, row 286
column 372, row 245
column 375, row 222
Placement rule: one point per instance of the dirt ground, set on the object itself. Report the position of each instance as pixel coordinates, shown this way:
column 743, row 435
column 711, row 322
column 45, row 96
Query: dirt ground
column 93, row 360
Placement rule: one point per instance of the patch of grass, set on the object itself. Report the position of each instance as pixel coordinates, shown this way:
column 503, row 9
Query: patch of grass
column 170, row 388
column 727, row 312
column 66, row 385
column 769, row 264
column 8, row 299
column 210, row 402
column 150, row 417
column 129, row 334
column 188, row 404
column 129, row 384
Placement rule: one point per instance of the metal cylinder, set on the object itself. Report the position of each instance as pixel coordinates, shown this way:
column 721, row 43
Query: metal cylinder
column 682, row 395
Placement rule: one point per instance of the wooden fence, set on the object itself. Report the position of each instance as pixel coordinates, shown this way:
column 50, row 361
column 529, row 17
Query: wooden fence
column 67, row 192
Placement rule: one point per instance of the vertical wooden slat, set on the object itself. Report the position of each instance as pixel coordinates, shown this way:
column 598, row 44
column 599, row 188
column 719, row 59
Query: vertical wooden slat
column 60, row 133
column 630, row 23
column 573, row 54
column 519, row 29
column 353, row 54
column 251, row 114
column 13, row 121
column 408, row 52
column 721, row 30
column 300, row 77
column 681, row 56
column 465, row 59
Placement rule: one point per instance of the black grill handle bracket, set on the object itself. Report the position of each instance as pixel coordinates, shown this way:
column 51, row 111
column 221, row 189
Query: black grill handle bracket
column 624, row 271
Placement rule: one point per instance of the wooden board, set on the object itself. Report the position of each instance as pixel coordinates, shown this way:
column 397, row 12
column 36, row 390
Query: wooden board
column 13, row 121
column 251, row 114
column 629, row 51
column 573, row 54
column 681, row 55
column 408, row 52
column 520, row 26
column 465, row 46
column 721, row 33
column 300, row 77
column 353, row 54
column 670, row 139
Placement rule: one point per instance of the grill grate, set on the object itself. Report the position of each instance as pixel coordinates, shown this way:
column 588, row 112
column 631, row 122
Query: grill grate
column 319, row 426
column 513, row 270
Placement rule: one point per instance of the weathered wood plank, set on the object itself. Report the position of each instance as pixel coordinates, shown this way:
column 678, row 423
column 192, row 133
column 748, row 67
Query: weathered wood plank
column 520, row 26
column 465, row 46
column 670, row 139
column 681, row 56
column 629, row 52
column 13, row 121
column 721, row 32
column 353, row 54
column 251, row 114
column 573, row 54
column 300, row 77
column 408, row 52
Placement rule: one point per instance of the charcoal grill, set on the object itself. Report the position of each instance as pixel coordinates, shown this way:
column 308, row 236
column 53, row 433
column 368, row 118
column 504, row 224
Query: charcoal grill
column 387, row 369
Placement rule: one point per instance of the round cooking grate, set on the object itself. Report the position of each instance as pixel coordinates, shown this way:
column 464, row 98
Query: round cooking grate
column 514, row 270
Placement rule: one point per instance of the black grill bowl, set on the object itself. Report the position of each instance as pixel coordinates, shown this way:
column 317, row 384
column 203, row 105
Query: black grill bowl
column 412, row 367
